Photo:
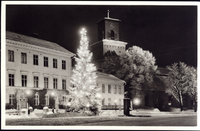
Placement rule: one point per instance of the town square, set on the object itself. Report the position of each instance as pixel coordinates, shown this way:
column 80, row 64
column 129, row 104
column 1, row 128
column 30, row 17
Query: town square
column 121, row 66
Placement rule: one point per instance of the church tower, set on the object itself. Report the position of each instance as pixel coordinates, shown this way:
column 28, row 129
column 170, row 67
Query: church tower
column 108, row 38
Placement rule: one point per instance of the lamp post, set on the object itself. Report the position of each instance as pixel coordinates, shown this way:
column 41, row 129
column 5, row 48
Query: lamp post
column 126, row 104
column 56, row 101
column 169, row 104
column 28, row 93
column 88, row 105
column 52, row 93
column 115, row 104
column 69, row 104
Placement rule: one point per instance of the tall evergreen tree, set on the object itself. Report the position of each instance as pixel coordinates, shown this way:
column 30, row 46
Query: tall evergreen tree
column 84, row 92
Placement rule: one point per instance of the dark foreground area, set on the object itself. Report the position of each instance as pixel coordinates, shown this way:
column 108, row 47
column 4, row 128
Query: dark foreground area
column 165, row 120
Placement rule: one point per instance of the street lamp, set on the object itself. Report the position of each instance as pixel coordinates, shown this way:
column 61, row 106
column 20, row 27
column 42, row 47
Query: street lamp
column 115, row 104
column 56, row 100
column 88, row 105
column 52, row 93
column 98, row 95
column 136, row 102
column 28, row 93
column 69, row 104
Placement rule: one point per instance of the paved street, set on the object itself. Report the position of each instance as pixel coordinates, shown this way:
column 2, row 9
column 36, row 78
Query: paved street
column 160, row 120
column 148, row 121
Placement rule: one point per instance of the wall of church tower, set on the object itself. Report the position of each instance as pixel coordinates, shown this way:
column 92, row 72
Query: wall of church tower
column 108, row 29
column 111, row 30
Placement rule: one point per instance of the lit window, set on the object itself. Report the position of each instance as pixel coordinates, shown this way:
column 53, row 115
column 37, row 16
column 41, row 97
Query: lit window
column 35, row 59
column 46, row 82
column 55, row 84
column 10, row 55
column 11, row 79
column 11, row 99
column 36, row 99
column 47, row 100
column 103, row 88
column 24, row 80
column 24, row 58
column 64, row 84
column 54, row 63
column 109, row 88
column 63, row 64
column 35, row 81
column 46, row 61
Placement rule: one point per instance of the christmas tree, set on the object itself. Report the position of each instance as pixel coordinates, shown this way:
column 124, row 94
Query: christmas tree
column 84, row 90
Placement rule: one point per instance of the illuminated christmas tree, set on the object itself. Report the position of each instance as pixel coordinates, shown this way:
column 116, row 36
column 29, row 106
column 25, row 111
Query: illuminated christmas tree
column 84, row 92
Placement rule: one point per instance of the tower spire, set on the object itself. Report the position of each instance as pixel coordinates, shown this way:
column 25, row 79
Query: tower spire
column 108, row 13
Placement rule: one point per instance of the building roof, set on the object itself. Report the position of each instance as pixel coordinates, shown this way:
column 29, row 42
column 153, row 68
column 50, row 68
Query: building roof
column 108, row 77
column 162, row 71
column 36, row 42
column 108, row 18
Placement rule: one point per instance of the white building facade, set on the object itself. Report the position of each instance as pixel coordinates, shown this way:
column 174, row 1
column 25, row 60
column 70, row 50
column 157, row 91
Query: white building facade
column 111, row 90
column 34, row 64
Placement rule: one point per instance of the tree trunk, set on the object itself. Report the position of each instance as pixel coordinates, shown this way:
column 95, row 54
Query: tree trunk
column 195, row 103
column 180, row 100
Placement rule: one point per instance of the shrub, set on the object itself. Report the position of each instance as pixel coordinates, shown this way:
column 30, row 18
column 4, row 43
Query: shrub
column 62, row 106
column 9, row 106
column 38, row 107
column 95, row 109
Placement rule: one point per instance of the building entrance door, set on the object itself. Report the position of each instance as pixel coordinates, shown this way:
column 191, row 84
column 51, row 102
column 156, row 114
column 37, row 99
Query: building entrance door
column 23, row 102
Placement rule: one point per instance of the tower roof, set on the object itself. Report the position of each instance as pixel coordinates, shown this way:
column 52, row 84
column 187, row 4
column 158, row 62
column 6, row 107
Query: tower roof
column 111, row 19
column 108, row 18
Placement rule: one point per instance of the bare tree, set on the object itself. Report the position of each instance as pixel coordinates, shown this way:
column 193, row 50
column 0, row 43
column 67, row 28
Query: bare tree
column 180, row 80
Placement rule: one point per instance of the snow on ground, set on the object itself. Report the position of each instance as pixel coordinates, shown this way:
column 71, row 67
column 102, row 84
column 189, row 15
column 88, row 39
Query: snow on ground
column 37, row 113
column 12, row 116
column 111, row 112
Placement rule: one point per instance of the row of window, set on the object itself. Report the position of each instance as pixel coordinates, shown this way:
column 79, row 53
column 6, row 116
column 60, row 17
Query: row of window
column 36, row 99
column 23, row 99
column 115, row 46
column 65, row 100
column 109, row 101
column 109, row 89
column 36, row 82
column 35, row 60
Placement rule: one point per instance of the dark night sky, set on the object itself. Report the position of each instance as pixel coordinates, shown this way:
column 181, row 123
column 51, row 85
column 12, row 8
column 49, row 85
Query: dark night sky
column 169, row 32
